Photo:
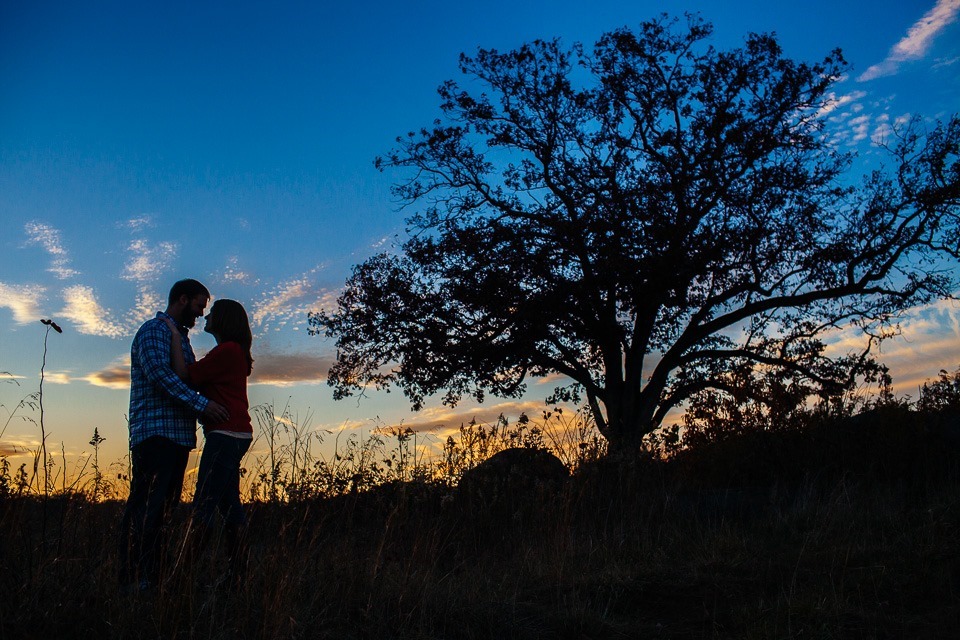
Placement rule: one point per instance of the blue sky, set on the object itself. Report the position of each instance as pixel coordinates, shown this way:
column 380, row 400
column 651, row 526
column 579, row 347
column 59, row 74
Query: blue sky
column 234, row 142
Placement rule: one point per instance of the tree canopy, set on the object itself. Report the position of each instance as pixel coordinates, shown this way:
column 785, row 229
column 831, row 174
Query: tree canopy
column 651, row 220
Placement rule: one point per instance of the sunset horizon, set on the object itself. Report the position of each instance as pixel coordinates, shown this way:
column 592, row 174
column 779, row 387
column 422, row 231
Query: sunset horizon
column 140, row 146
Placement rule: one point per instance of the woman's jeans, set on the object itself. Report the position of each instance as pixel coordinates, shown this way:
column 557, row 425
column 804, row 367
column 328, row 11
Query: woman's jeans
column 218, row 480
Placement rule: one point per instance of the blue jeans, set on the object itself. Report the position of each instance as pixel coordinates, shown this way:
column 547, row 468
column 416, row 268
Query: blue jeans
column 155, row 485
column 218, row 480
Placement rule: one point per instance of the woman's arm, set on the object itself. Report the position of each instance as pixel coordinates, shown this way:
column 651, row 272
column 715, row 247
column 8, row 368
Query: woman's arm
column 177, row 362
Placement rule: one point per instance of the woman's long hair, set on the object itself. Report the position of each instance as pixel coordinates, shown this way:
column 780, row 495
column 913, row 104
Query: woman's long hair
column 228, row 320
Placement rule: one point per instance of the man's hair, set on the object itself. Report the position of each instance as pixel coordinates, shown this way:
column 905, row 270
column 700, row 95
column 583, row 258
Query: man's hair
column 189, row 288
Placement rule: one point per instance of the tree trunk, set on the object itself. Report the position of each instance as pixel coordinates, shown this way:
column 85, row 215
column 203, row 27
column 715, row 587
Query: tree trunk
column 629, row 419
column 626, row 432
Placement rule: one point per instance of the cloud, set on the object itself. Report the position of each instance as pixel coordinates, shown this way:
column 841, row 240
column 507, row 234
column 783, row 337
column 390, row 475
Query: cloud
column 433, row 425
column 18, row 448
column 917, row 42
column 835, row 102
column 232, row 273
column 49, row 238
column 57, row 377
column 291, row 301
column 146, row 306
column 382, row 242
column 147, row 261
column 556, row 379
column 861, row 127
column 929, row 341
column 115, row 376
column 137, row 224
column 268, row 369
column 883, row 129
column 22, row 300
column 940, row 63
column 288, row 369
column 8, row 450
column 446, row 419
column 85, row 312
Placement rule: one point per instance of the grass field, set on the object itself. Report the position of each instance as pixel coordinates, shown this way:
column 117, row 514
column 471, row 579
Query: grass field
column 847, row 530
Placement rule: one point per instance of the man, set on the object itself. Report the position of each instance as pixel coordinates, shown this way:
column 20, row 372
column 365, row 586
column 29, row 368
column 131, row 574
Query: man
column 163, row 430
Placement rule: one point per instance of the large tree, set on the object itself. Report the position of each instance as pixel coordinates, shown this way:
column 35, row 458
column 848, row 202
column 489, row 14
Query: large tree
column 649, row 220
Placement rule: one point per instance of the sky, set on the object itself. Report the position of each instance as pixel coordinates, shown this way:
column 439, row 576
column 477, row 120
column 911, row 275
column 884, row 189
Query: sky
column 233, row 142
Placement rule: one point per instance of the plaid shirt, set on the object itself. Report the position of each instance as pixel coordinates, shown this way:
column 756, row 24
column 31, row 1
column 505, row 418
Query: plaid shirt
column 161, row 404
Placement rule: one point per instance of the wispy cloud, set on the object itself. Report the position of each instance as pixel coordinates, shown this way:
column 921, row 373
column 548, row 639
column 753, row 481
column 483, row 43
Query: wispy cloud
column 137, row 224
column 860, row 127
column 291, row 301
column 116, row 375
column 232, row 273
column 433, row 425
column 13, row 448
column 85, row 311
column 146, row 306
column 275, row 369
column 287, row 369
column 49, row 238
column 917, row 42
column 854, row 122
column 835, row 102
column 385, row 241
column 22, row 300
column 929, row 341
column 8, row 450
column 940, row 63
column 58, row 377
column 279, row 370
column 147, row 261
column 446, row 419
column 884, row 129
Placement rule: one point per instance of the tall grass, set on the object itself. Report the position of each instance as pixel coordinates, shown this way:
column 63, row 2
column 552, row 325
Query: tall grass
column 841, row 526
column 627, row 551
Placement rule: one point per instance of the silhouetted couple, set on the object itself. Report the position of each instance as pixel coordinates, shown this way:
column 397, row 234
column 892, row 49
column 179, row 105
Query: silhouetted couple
column 169, row 390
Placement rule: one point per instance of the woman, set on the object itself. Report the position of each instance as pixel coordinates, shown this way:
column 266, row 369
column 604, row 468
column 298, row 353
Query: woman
column 221, row 375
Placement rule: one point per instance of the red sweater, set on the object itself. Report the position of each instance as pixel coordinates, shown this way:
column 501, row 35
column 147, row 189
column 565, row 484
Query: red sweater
column 221, row 375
